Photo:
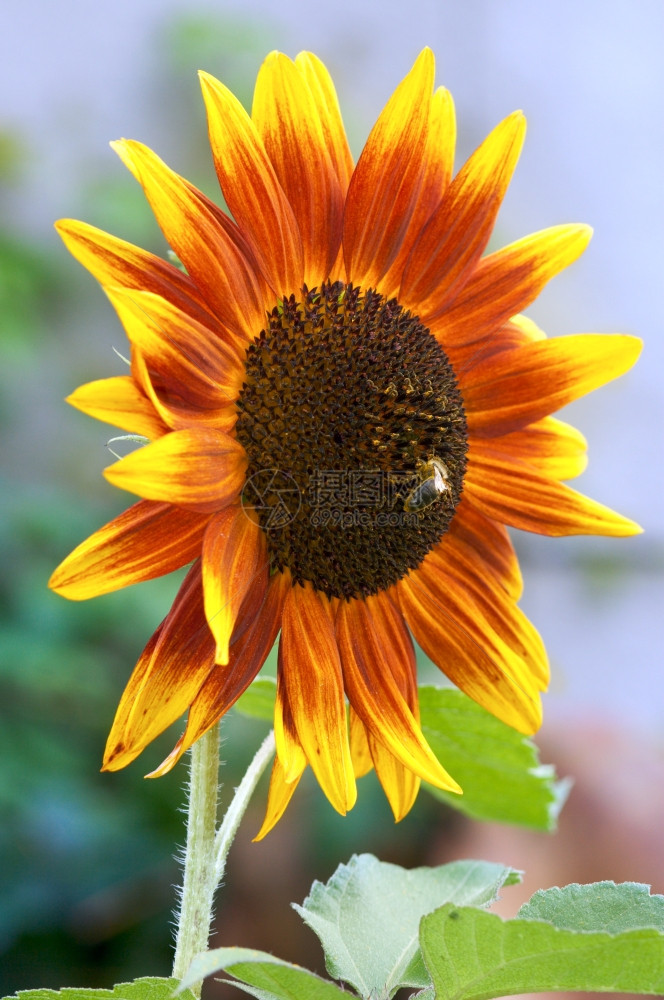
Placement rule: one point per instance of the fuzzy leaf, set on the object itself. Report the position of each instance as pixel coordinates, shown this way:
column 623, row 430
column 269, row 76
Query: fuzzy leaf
column 148, row 988
column 600, row 938
column 498, row 768
column 262, row 975
column 367, row 916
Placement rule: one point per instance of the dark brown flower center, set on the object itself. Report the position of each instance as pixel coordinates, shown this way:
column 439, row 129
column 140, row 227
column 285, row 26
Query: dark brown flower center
column 356, row 436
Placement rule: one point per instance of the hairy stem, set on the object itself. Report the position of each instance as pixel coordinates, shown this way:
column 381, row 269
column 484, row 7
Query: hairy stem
column 199, row 882
column 207, row 847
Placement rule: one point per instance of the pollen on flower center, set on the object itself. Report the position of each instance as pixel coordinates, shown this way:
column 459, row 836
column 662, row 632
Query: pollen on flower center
column 356, row 436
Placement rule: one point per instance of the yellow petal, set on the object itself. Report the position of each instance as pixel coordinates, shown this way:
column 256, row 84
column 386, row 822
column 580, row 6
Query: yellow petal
column 214, row 260
column 234, row 552
column 452, row 241
column 311, row 673
column 513, row 492
column 507, row 281
column 120, row 402
column 167, row 677
column 517, row 387
column 363, row 632
column 146, row 541
column 252, row 190
column 200, row 469
column 287, row 119
column 385, row 186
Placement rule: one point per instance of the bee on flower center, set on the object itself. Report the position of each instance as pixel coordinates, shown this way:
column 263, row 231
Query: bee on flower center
column 434, row 481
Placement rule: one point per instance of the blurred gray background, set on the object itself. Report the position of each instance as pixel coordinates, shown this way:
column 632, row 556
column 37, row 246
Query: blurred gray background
column 589, row 75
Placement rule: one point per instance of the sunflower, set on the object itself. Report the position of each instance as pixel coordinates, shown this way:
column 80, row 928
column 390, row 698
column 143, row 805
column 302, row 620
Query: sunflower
column 343, row 408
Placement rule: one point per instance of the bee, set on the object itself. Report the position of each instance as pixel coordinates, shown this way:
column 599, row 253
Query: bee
column 434, row 481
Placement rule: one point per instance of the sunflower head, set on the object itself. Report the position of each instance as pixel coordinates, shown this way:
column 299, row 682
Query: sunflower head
column 345, row 407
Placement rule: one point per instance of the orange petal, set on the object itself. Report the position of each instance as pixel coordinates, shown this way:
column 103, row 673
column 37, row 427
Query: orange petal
column 234, row 552
column 167, row 677
column 279, row 795
column 120, row 402
column 552, row 447
column 517, row 332
column 324, row 96
column 251, row 189
column 359, row 745
column 311, row 673
column 437, row 166
column 145, row 541
column 365, row 629
column 473, row 585
column 452, row 632
column 117, row 263
column 189, row 359
column 198, row 468
column 256, row 628
column 457, row 233
column 289, row 749
column 385, row 186
column 485, row 546
column 515, row 388
column 511, row 491
column 214, row 261
column 399, row 783
column 287, row 119
column 507, row 281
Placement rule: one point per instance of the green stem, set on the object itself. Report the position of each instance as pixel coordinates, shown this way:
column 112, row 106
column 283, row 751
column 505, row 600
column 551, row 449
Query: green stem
column 207, row 847
column 198, row 884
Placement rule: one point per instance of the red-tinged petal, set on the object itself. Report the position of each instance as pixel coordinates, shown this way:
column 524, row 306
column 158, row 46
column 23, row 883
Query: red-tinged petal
column 484, row 545
column 289, row 749
column 324, row 96
column 453, row 570
column 117, row 263
column 511, row 491
column 437, row 166
column 517, row 332
column 120, row 402
column 145, row 541
column 507, row 281
column 552, row 447
column 515, row 388
column 198, row 468
column 176, row 413
column 364, row 631
column 256, row 632
column 287, row 119
column 398, row 782
column 448, row 627
column 215, row 262
column 167, row 677
column 359, row 745
column 234, row 551
column 252, row 190
column 453, row 240
column 311, row 672
column 279, row 795
column 385, row 186
column 189, row 363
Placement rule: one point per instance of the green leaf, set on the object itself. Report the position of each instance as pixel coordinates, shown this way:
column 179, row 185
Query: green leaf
column 601, row 938
column 367, row 916
column 602, row 906
column 258, row 700
column 263, row 975
column 498, row 768
column 149, row 988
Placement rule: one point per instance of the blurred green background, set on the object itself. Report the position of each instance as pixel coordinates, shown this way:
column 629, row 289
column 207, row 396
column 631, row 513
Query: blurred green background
column 87, row 859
